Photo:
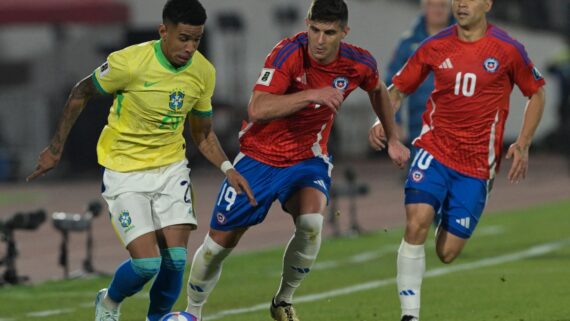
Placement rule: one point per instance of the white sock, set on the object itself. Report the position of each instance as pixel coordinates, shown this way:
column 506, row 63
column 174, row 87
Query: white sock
column 110, row 304
column 411, row 269
column 204, row 274
column 300, row 255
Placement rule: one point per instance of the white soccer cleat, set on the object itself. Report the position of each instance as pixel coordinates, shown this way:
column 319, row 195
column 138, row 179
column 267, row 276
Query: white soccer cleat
column 102, row 313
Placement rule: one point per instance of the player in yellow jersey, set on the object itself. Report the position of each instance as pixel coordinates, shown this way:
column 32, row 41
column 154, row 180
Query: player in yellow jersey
column 156, row 86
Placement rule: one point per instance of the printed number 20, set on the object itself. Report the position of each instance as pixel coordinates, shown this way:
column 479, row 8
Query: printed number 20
column 467, row 86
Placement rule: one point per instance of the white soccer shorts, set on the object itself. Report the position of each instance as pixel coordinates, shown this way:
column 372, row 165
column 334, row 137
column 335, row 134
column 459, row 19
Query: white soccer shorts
column 145, row 201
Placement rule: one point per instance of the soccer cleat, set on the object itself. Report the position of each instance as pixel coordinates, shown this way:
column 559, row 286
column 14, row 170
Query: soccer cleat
column 409, row 318
column 282, row 311
column 102, row 313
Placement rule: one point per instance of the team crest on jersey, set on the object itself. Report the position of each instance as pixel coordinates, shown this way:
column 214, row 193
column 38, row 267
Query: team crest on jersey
column 340, row 83
column 537, row 75
column 221, row 218
column 417, row 176
column 491, row 64
column 176, row 100
column 125, row 219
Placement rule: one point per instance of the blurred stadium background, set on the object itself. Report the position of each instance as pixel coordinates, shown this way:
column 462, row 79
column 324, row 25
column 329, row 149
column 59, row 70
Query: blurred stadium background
column 48, row 45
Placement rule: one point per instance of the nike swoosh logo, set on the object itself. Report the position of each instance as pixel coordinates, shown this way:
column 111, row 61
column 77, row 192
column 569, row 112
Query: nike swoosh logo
column 149, row 84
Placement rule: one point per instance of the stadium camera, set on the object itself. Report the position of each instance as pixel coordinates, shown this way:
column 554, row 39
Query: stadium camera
column 76, row 222
column 19, row 221
column 24, row 221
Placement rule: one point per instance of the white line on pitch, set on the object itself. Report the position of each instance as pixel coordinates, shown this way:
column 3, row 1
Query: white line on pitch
column 47, row 313
column 531, row 252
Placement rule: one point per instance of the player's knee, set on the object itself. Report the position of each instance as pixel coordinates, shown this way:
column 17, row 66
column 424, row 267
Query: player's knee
column 310, row 225
column 447, row 255
column 212, row 252
column 146, row 267
column 174, row 258
column 416, row 232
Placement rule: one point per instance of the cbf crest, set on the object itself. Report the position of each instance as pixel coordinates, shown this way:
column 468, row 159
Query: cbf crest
column 176, row 100
column 125, row 219
column 340, row 83
column 491, row 64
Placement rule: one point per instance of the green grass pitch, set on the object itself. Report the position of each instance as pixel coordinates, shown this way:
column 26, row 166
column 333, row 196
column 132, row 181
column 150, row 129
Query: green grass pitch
column 515, row 268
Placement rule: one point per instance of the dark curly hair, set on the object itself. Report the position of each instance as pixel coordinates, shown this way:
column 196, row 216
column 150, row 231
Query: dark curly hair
column 189, row 12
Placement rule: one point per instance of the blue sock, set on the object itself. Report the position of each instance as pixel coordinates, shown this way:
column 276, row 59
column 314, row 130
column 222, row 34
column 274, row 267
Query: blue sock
column 131, row 276
column 168, row 283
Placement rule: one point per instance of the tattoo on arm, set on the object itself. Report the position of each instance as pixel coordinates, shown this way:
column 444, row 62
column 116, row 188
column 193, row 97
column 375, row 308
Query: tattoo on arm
column 206, row 140
column 78, row 98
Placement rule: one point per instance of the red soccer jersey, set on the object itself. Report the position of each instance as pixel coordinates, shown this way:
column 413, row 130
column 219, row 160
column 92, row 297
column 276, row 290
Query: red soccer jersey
column 465, row 118
column 289, row 69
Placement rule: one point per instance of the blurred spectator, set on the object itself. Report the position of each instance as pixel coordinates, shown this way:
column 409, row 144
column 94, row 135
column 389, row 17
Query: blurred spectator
column 435, row 16
column 559, row 67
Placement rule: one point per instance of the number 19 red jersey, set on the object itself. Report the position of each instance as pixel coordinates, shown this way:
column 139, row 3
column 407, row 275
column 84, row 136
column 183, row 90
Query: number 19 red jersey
column 288, row 69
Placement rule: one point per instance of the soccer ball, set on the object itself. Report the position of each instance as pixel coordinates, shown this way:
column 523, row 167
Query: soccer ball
column 179, row 316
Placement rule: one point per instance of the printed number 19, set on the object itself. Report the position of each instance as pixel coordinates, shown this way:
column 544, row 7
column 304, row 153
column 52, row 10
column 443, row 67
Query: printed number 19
column 229, row 195
column 468, row 86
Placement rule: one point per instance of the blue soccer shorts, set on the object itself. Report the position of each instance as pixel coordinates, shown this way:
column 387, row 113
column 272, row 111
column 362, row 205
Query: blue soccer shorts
column 268, row 184
column 458, row 199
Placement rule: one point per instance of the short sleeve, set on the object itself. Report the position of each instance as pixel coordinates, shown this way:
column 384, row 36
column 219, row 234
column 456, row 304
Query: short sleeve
column 525, row 75
column 370, row 80
column 414, row 72
column 113, row 75
column 203, row 107
column 275, row 77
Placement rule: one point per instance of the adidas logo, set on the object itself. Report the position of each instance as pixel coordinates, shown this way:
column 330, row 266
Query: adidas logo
column 465, row 222
column 407, row 292
column 321, row 183
column 446, row 64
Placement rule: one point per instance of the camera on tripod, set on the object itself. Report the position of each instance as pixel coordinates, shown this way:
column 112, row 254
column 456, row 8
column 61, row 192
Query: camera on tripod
column 76, row 222
column 19, row 221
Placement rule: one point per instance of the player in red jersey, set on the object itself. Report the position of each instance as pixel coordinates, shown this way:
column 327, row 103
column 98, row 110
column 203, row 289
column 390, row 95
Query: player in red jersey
column 476, row 66
column 284, row 155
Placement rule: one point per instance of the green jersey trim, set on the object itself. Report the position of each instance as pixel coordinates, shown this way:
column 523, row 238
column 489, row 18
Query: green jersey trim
column 98, row 85
column 120, row 98
column 204, row 114
column 164, row 61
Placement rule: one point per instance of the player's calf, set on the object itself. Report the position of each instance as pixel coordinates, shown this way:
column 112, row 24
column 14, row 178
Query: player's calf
column 449, row 246
column 204, row 274
column 300, row 254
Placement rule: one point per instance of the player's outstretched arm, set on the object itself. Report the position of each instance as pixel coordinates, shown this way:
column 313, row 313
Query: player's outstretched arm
column 207, row 142
column 380, row 100
column 377, row 134
column 518, row 151
column 264, row 106
column 78, row 98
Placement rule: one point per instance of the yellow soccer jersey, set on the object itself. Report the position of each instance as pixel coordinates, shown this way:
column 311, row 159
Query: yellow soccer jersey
column 152, row 99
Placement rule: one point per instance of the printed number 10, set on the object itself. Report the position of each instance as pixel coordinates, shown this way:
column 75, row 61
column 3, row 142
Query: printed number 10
column 467, row 86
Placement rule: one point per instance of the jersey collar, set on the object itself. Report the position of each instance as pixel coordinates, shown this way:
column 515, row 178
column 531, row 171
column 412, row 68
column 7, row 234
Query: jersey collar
column 164, row 61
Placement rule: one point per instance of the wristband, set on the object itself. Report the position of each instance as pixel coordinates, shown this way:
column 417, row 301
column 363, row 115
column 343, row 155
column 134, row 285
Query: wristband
column 226, row 166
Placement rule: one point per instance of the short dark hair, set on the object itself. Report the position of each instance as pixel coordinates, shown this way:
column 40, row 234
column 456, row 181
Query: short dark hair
column 189, row 12
column 328, row 11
